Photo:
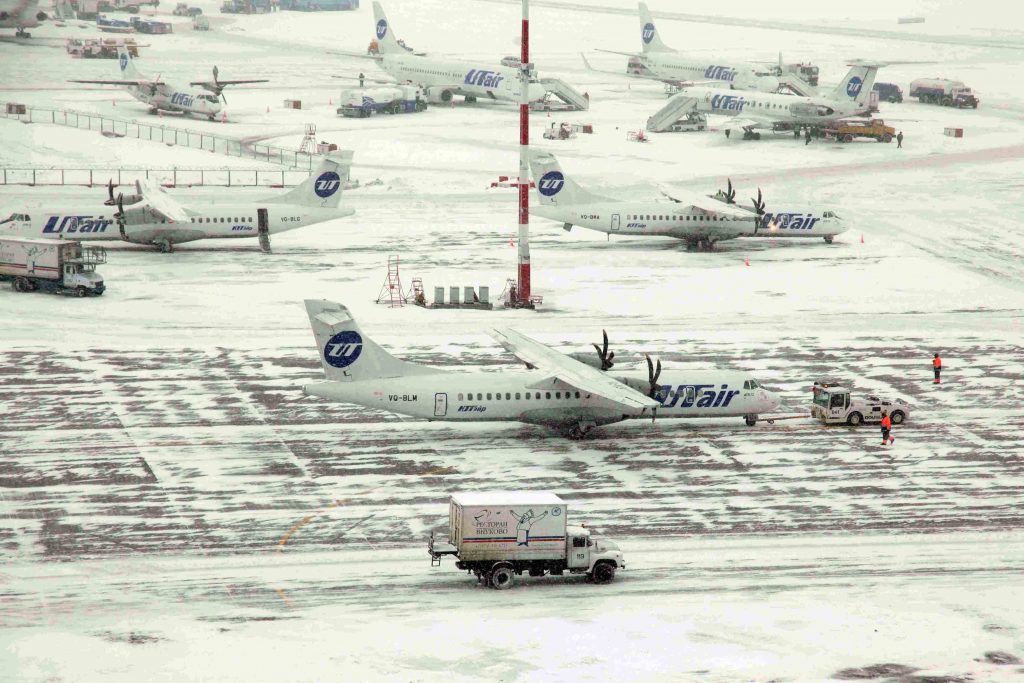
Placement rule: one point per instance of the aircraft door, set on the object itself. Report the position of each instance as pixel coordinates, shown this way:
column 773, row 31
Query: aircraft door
column 263, row 229
column 615, row 221
column 440, row 405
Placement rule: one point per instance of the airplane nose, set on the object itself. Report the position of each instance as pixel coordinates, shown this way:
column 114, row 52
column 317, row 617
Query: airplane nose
column 772, row 400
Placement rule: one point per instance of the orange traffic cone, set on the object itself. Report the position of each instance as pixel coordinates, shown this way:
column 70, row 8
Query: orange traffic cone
column 746, row 261
column 862, row 238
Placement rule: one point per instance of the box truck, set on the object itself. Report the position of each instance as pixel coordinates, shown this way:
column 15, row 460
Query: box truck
column 501, row 534
column 62, row 266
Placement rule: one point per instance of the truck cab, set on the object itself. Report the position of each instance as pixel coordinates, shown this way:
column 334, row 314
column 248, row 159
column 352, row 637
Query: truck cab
column 81, row 276
column 837, row 405
column 583, row 552
column 888, row 92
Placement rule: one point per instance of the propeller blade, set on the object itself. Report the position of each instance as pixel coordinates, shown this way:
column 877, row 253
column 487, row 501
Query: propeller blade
column 604, row 334
column 653, row 372
column 215, row 72
column 730, row 194
column 110, row 193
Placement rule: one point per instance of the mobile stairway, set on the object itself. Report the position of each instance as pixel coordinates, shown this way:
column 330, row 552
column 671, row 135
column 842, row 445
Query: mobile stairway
column 565, row 92
column 678, row 107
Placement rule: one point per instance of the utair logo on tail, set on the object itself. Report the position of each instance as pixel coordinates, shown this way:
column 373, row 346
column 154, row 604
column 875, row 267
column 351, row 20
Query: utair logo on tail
column 647, row 34
column 382, row 29
column 343, row 349
column 327, row 184
column 854, row 86
column 551, row 183
column 123, row 61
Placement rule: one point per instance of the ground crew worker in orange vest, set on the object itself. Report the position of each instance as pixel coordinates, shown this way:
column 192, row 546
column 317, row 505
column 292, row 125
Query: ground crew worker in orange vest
column 886, row 428
column 937, row 367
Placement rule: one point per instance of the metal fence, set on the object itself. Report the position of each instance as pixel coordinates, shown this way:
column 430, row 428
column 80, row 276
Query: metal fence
column 169, row 177
column 168, row 135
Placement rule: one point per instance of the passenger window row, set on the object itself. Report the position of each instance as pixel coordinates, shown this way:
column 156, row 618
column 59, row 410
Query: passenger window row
column 519, row 396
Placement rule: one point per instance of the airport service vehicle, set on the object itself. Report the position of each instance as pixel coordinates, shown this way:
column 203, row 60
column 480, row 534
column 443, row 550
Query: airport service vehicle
column 183, row 10
column 943, row 91
column 161, row 96
column 108, row 25
column 889, row 92
column 499, row 535
column 570, row 393
column 152, row 217
column 200, row 23
column 151, row 26
column 751, row 111
column 94, row 48
column 441, row 79
column 700, row 221
column 836, row 405
column 398, row 99
column 846, row 131
column 61, row 266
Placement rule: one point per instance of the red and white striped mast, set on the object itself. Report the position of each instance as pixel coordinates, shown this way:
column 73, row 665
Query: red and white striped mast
column 524, row 161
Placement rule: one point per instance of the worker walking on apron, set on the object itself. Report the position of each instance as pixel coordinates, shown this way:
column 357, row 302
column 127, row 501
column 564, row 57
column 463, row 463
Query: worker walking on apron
column 887, row 429
column 937, row 367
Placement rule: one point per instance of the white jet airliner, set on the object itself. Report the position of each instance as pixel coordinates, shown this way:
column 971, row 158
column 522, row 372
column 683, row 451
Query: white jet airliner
column 20, row 15
column 662, row 63
column 441, row 79
column 161, row 96
column 557, row 390
column 156, row 219
column 752, row 110
column 700, row 221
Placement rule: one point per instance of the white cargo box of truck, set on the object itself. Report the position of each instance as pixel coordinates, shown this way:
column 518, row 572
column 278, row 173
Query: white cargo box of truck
column 507, row 526
column 501, row 534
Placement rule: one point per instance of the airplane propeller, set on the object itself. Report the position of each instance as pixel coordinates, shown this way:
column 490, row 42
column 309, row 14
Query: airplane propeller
column 730, row 193
column 758, row 209
column 119, row 216
column 606, row 358
column 218, row 89
column 653, row 373
column 110, row 194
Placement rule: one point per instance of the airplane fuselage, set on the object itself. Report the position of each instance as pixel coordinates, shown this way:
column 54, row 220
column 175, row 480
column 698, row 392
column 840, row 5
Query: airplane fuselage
column 166, row 97
column 213, row 221
column 458, row 78
column 674, row 68
column 683, row 222
column 526, row 396
column 772, row 108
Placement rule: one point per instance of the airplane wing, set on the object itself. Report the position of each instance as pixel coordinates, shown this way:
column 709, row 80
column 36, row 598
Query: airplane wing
column 357, row 55
column 214, row 85
column 157, row 201
column 623, row 74
column 573, row 372
column 704, row 203
column 615, row 52
column 380, row 81
column 112, row 82
column 738, row 122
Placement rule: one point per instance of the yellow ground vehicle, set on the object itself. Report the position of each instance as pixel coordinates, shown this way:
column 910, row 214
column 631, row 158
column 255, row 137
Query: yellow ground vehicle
column 846, row 131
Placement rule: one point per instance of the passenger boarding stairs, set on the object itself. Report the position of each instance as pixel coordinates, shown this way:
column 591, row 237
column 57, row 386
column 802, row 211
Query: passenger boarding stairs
column 565, row 92
column 796, row 85
column 678, row 107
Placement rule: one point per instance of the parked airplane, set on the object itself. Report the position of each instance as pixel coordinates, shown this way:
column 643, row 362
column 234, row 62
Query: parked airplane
column 20, row 15
column 441, row 79
column 659, row 62
column 556, row 390
column 161, row 96
column 750, row 111
column 157, row 219
column 700, row 220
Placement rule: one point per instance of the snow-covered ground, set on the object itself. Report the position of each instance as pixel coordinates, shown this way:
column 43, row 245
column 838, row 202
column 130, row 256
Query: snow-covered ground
column 172, row 507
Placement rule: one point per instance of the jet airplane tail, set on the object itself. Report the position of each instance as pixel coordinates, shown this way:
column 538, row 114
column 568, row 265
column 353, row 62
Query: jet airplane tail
column 650, row 41
column 553, row 187
column 386, row 41
column 323, row 188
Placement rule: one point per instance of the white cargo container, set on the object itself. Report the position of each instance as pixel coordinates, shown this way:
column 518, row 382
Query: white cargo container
column 496, row 535
column 62, row 266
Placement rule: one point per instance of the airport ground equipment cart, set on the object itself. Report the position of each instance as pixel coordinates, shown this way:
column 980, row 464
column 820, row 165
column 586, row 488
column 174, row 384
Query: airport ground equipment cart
column 837, row 405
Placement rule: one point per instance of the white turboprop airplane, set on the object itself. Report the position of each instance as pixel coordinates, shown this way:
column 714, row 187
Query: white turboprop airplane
column 572, row 393
column 154, row 218
column 662, row 63
column 161, row 96
column 700, row 221
column 20, row 15
column 441, row 79
column 751, row 110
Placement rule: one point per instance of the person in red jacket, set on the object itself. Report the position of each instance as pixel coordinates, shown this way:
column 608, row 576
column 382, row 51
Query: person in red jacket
column 937, row 367
column 886, row 429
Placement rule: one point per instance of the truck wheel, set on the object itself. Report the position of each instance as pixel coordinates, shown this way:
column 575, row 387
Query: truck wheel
column 847, row 138
column 885, row 138
column 19, row 285
column 604, row 572
column 854, row 419
column 947, row 101
column 897, row 417
column 80, row 292
column 502, row 577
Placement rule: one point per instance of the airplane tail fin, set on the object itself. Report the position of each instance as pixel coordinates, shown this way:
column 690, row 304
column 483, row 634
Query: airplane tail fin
column 348, row 355
column 650, row 41
column 386, row 41
column 553, row 187
column 323, row 187
column 857, row 84
column 126, row 66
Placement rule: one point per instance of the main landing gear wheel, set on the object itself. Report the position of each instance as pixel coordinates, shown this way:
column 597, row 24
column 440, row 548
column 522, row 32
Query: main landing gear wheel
column 751, row 420
column 166, row 247
column 828, row 239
